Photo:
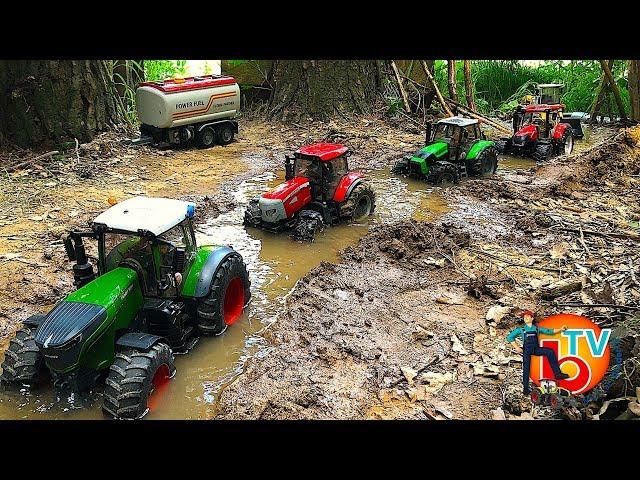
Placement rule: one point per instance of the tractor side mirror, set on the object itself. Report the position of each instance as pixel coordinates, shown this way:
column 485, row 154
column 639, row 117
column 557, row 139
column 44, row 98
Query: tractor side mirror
column 288, row 168
column 429, row 130
column 69, row 248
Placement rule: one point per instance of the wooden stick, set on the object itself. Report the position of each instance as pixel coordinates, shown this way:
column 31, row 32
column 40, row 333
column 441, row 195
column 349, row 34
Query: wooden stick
column 544, row 269
column 403, row 92
column 445, row 107
column 614, row 88
column 20, row 165
column 479, row 116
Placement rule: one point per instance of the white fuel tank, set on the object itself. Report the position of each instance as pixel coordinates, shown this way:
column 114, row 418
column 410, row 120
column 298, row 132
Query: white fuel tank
column 184, row 101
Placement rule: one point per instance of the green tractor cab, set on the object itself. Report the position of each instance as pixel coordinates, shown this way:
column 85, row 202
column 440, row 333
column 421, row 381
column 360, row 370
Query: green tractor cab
column 153, row 293
column 455, row 148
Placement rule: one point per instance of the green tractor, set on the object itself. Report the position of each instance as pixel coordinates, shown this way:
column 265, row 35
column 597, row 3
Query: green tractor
column 154, row 292
column 456, row 148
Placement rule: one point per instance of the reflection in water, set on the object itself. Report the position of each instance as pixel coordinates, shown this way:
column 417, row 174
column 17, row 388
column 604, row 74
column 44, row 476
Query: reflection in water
column 275, row 263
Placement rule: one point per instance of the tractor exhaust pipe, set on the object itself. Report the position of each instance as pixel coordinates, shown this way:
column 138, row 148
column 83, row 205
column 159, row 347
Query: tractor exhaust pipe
column 83, row 271
column 288, row 167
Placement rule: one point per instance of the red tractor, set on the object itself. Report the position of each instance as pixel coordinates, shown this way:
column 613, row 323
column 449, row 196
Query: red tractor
column 319, row 190
column 540, row 132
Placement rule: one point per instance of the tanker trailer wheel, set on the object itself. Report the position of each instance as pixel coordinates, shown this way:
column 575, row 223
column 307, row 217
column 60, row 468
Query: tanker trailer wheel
column 361, row 203
column 226, row 299
column 22, row 363
column 136, row 381
column 206, row 137
column 225, row 134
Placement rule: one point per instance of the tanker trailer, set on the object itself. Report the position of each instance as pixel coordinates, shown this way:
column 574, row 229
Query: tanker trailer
column 181, row 110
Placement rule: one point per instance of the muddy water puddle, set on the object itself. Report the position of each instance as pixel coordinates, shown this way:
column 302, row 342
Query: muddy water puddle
column 275, row 262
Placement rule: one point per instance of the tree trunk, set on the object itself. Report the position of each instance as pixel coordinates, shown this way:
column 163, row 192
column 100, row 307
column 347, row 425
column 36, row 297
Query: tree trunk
column 601, row 92
column 428, row 71
column 468, row 85
column 451, row 74
column 633, row 78
column 48, row 101
column 320, row 88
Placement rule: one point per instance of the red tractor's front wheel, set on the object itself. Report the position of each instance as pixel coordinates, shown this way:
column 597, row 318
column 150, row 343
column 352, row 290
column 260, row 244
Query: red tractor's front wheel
column 225, row 302
column 361, row 203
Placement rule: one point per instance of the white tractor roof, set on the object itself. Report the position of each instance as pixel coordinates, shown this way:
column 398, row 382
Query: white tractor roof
column 156, row 215
column 459, row 121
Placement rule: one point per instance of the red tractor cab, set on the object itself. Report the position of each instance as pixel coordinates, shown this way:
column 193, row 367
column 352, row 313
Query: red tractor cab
column 319, row 190
column 540, row 132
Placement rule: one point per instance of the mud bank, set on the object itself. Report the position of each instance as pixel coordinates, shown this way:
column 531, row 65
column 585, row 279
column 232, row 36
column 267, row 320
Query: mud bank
column 411, row 323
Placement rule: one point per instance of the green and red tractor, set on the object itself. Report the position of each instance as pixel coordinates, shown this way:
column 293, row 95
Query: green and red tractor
column 456, row 147
column 154, row 292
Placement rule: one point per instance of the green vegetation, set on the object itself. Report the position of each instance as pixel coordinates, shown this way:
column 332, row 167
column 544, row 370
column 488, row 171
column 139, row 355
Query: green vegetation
column 161, row 69
column 500, row 84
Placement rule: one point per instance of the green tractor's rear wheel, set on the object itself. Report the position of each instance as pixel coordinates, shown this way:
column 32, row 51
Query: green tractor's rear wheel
column 206, row 137
column 485, row 163
column 361, row 203
column 137, row 380
column 226, row 299
column 22, row 363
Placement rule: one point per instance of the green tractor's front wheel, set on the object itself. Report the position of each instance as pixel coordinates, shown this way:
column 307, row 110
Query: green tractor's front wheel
column 22, row 363
column 136, row 381
column 226, row 299
column 443, row 174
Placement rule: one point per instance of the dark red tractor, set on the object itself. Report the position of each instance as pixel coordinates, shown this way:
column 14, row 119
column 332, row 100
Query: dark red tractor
column 318, row 190
column 540, row 132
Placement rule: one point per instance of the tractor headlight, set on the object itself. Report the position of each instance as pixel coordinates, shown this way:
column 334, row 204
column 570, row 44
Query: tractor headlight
column 271, row 212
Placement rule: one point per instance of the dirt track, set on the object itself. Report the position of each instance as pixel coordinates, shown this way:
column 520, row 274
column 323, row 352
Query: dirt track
column 411, row 323
column 398, row 329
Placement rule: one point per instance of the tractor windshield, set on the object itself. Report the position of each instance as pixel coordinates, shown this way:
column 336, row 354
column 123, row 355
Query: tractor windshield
column 305, row 167
column 446, row 133
column 132, row 251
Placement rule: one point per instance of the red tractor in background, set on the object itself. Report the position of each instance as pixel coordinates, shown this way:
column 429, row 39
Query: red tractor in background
column 319, row 190
column 540, row 132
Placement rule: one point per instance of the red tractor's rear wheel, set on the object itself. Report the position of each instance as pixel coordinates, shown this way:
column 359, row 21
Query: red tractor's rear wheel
column 226, row 299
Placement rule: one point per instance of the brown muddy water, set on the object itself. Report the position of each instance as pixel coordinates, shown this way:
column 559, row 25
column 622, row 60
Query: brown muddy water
column 275, row 263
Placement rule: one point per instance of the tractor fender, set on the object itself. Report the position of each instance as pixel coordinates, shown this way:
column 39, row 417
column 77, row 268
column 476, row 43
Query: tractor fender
column 346, row 186
column 233, row 124
column 209, row 269
column 559, row 130
column 34, row 320
column 138, row 340
column 479, row 147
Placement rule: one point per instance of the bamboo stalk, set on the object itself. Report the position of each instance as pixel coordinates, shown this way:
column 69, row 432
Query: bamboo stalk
column 614, row 88
column 445, row 107
column 403, row 92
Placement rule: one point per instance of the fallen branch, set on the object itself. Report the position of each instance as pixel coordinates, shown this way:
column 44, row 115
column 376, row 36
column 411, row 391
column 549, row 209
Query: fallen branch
column 20, row 165
column 544, row 269
column 403, row 92
column 630, row 235
column 427, row 72
column 596, row 305
column 560, row 288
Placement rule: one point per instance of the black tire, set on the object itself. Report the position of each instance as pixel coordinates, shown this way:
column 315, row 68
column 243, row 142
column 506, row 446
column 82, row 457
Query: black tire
column 443, row 173
column 227, row 297
column 502, row 146
column 309, row 223
column 253, row 215
column 132, row 379
column 23, row 363
column 401, row 167
column 224, row 134
column 485, row 163
column 206, row 137
column 361, row 203
column 565, row 147
column 542, row 152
